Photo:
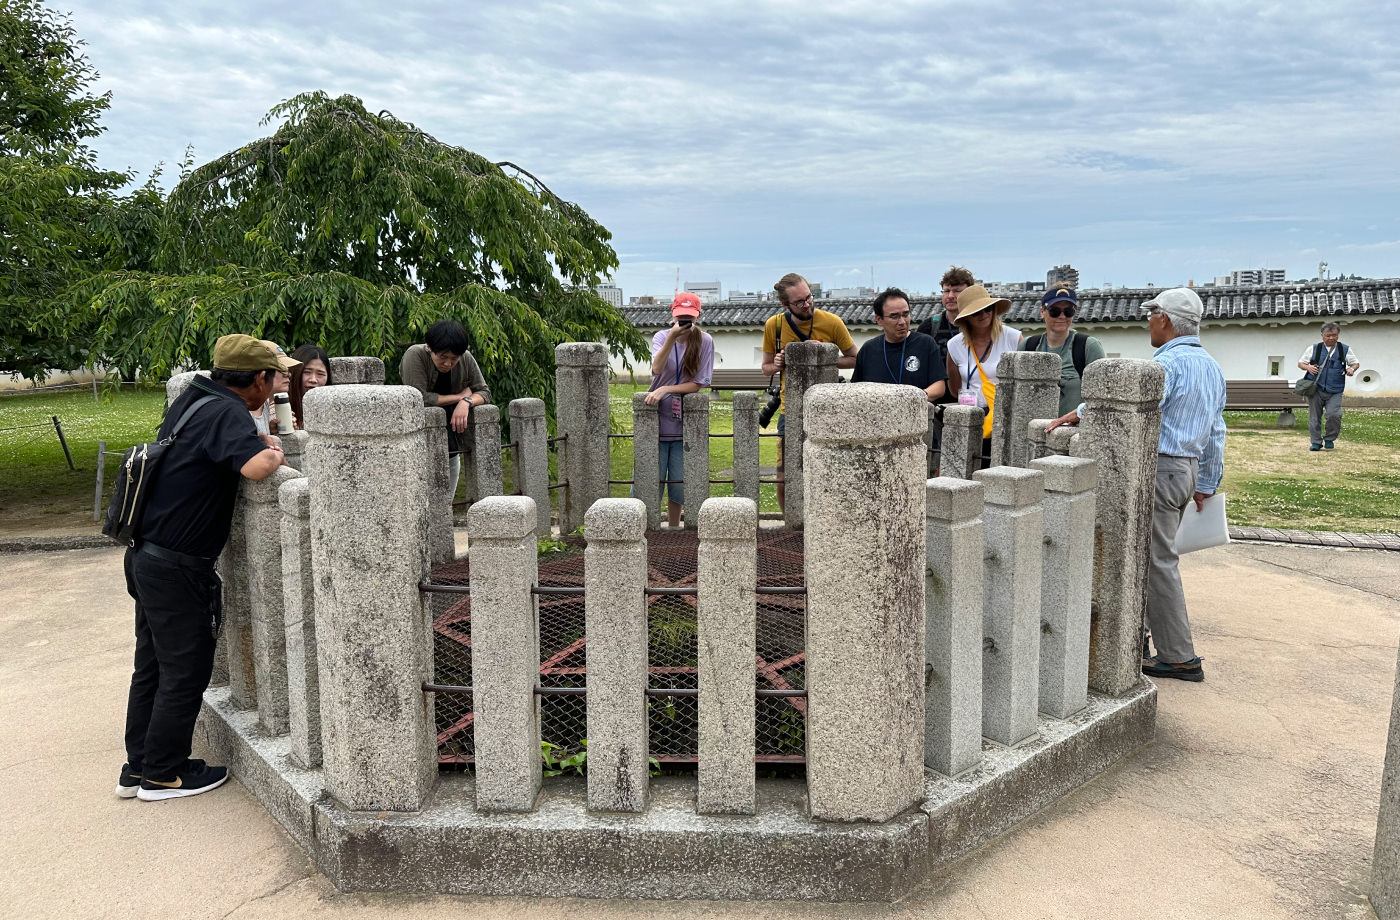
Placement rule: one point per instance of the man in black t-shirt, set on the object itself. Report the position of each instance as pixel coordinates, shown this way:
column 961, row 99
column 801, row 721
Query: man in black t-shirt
column 901, row 356
column 170, row 571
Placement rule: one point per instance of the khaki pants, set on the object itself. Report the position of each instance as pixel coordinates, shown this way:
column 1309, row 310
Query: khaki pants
column 1166, row 602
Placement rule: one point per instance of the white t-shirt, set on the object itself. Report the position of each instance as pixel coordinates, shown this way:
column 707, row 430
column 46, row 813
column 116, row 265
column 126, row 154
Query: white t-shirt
column 1352, row 359
column 967, row 366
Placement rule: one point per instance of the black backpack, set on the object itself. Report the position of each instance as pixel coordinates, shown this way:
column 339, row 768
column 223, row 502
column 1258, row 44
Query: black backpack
column 136, row 476
column 1081, row 343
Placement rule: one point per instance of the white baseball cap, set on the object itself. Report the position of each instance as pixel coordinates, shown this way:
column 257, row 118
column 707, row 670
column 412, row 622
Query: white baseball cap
column 1181, row 302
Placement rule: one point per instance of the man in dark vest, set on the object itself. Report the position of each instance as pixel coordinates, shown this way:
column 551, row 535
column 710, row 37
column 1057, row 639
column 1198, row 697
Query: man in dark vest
column 1330, row 363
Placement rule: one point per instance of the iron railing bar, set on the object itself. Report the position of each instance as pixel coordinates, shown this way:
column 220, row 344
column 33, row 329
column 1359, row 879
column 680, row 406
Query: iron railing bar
column 556, row 589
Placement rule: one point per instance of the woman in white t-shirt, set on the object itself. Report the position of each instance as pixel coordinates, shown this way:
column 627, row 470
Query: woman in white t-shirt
column 974, row 352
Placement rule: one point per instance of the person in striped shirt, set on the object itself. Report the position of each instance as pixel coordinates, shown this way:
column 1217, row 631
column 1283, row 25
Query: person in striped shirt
column 1190, row 464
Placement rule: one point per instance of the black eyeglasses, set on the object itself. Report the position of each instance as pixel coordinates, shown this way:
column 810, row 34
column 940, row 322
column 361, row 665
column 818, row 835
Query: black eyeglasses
column 801, row 301
column 1058, row 311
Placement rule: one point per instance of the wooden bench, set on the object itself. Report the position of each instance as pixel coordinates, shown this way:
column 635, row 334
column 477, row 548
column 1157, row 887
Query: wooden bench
column 1274, row 393
column 738, row 379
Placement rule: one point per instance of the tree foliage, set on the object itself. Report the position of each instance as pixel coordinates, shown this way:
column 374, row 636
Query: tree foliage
column 355, row 231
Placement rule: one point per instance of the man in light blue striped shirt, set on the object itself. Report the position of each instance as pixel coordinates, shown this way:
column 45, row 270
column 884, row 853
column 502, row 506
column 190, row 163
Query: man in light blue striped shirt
column 1190, row 463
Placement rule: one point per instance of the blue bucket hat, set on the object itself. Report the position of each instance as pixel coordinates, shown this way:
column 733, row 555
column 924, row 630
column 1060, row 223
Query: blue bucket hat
column 1059, row 294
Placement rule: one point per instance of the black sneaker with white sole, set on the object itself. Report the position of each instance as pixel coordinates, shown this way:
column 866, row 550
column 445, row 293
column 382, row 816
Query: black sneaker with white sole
column 129, row 782
column 196, row 777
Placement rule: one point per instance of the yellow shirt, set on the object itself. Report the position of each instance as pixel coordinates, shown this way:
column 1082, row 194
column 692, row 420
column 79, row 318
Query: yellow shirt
column 822, row 327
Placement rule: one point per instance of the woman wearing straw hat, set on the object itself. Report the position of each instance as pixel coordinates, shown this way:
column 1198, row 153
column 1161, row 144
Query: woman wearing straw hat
column 974, row 352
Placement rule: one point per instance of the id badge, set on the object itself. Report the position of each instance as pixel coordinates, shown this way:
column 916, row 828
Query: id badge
column 675, row 407
column 967, row 398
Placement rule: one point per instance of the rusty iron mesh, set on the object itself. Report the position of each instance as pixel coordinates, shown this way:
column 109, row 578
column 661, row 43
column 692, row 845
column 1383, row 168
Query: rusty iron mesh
column 780, row 723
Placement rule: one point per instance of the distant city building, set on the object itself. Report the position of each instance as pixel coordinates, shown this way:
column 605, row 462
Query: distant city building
column 609, row 292
column 708, row 291
column 848, row 293
column 1063, row 276
column 1010, row 287
column 1257, row 276
column 744, row 297
column 646, row 300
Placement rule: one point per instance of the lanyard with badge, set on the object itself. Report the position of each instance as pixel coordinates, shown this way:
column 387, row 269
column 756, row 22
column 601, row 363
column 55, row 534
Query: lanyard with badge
column 885, row 348
column 676, row 400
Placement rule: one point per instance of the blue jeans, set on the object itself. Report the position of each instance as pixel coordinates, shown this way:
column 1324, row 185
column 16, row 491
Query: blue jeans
column 672, row 467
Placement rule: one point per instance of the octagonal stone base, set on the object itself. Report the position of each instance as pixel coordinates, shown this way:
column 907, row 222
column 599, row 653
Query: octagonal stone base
column 560, row 850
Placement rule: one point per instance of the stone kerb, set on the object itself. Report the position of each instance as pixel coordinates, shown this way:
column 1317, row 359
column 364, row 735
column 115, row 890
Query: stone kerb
column 1120, row 431
column 1028, row 388
column 582, row 419
column 299, row 614
column 1067, row 583
column 357, row 369
column 1013, row 527
column 530, row 432
column 442, row 545
column 962, row 441
column 805, row 365
column 695, row 421
column 615, row 620
column 864, row 547
column 369, row 528
column 646, row 457
column 727, row 571
column 953, row 631
column 505, row 653
column 263, row 532
column 746, row 440
column 483, row 462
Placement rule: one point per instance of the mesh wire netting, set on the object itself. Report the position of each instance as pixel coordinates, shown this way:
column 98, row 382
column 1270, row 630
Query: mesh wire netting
column 671, row 557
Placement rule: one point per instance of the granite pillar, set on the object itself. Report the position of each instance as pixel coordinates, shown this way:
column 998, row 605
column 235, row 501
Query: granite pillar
column 369, row 527
column 746, row 470
column 962, row 441
column 484, row 459
column 1035, row 433
column 1120, row 430
column 695, row 421
column 1066, row 583
column 646, row 462
column 1028, row 388
column 865, row 555
column 263, row 532
column 727, row 572
column 294, row 448
column 615, row 617
column 299, row 613
column 1013, row 527
column 1385, row 862
column 953, row 626
column 442, row 544
column 505, row 653
column 236, row 635
column 581, row 418
column 357, row 369
column 805, row 364
column 179, row 383
column 530, row 432
column 1060, row 441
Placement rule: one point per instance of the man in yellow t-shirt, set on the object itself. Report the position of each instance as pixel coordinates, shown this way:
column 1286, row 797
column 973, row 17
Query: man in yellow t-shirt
column 800, row 321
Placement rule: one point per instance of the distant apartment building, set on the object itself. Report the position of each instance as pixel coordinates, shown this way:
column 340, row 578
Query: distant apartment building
column 1063, row 276
column 609, row 292
column 745, row 297
column 646, row 300
column 708, row 291
column 1256, row 276
column 848, row 293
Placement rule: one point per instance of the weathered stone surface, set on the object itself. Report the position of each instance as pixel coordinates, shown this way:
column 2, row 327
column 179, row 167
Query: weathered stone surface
column 299, row 613
column 953, row 626
column 357, row 369
column 695, row 425
column 962, row 441
column 442, row 546
column 236, row 636
column 1066, row 583
column 179, row 383
column 726, row 575
column 581, row 418
column 294, row 448
column 369, row 528
column 1028, row 388
column 505, row 653
column 1385, row 864
column 1120, row 430
column 1058, row 441
column 1035, row 433
column 615, row 576
column 646, row 461
column 865, row 599
column 746, row 441
column 1013, row 528
column 484, row 429
column 530, row 432
column 263, row 531
column 805, row 364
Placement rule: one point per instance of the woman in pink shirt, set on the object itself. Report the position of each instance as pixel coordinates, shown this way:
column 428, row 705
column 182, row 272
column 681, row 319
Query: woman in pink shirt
column 683, row 360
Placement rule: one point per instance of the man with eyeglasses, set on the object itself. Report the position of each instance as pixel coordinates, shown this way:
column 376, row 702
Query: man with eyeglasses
column 1076, row 350
column 955, row 280
column 901, row 355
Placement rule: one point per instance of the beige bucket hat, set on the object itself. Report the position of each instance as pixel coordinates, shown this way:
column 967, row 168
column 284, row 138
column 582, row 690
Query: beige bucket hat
column 976, row 299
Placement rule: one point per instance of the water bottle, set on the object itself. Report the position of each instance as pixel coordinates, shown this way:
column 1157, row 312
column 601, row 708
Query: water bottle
column 283, row 405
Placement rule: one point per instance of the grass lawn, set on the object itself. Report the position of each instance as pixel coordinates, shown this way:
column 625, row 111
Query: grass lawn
column 1273, row 480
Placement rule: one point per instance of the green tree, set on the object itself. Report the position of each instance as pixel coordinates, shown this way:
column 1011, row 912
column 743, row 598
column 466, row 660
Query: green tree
column 52, row 195
column 355, row 231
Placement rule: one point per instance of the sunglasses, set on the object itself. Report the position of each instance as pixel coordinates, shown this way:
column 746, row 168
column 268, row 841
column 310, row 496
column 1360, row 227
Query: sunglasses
column 1057, row 311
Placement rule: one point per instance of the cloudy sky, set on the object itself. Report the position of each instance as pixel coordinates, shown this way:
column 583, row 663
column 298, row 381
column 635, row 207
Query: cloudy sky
column 739, row 140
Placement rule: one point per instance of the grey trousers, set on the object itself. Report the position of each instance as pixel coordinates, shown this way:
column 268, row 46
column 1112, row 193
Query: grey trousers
column 1166, row 603
column 1330, row 405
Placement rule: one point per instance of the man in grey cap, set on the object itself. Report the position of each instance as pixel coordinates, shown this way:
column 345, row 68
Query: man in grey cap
column 1190, row 464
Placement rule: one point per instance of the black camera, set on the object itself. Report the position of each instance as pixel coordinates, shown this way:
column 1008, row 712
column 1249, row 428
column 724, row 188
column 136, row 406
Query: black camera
column 684, row 321
column 775, row 399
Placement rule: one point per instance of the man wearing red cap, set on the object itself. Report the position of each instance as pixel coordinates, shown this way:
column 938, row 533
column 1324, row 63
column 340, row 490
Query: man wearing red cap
column 682, row 361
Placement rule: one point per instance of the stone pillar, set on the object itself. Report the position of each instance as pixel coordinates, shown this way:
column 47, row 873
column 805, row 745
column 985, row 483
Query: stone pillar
column 953, row 631
column 646, row 462
column 1035, row 432
column 1014, row 528
column 1385, row 862
column 727, row 573
column 746, row 471
column 357, row 369
column 615, row 618
column 369, row 527
column 179, row 383
column 962, row 441
column 530, row 432
column 505, row 653
column 864, row 546
column 805, row 364
column 263, row 532
column 1059, row 442
column 1120, row 430
column 695, row 419
column 484, row 430
column 294, row 448
column 442, row 545
column 236, row 635
column 299, row 611
column 1066, row 583
column 581, row 418
column 1028, row 388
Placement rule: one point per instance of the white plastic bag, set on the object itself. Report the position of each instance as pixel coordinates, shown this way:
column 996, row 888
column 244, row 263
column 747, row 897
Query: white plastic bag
column 1205, row 528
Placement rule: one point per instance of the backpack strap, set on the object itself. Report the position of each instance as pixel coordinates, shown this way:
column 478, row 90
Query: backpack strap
column 1080, row 352
column 186, row 416
column 1033, row 343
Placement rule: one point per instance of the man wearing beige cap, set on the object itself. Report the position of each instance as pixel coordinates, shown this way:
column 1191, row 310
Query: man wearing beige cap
column 170, row 568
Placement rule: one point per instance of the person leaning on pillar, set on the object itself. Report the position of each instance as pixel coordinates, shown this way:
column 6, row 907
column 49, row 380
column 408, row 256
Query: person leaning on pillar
column 448, row 376
column 1190, row 464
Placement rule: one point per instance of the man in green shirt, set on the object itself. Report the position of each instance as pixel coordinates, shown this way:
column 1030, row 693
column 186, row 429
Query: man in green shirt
column 1076, row 350
column 448, row 376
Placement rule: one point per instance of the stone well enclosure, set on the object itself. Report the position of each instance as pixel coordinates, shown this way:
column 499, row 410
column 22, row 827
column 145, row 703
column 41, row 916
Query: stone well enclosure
column 969, row 642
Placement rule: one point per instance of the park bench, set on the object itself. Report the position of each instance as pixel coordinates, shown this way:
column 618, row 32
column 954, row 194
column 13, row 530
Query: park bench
column 738, row 379
column 1274, row 393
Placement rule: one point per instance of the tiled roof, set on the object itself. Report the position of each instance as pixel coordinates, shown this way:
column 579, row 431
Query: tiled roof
column 1315, row 300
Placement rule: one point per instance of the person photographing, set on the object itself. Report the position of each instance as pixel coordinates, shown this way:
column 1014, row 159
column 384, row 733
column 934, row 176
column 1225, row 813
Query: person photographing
column 683, row 361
